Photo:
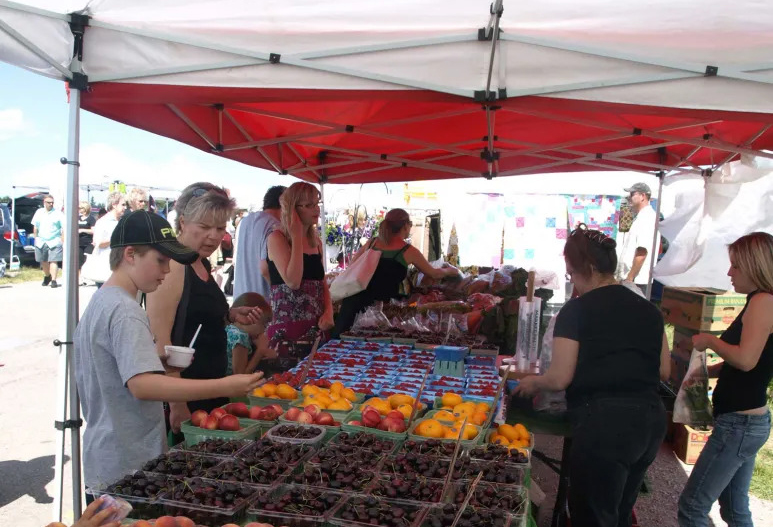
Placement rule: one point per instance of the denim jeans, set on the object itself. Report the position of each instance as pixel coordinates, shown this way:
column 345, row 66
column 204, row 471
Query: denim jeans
column 614, row 441
column 724, row 470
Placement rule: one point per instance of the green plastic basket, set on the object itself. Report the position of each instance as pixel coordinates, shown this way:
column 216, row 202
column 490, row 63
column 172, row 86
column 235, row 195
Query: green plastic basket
column 355, row 415
column 263, row 426
column 380, row 340
column 265, row 401
column 338, row 415
column 464, row 442
column 194, row 434
column 452, row 368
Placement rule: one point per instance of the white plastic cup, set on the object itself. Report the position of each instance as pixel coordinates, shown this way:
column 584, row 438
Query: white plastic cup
column 179, row 356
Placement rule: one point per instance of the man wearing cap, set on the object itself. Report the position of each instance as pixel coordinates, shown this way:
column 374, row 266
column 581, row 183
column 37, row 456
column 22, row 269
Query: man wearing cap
column 636, row 252
column 118, row 371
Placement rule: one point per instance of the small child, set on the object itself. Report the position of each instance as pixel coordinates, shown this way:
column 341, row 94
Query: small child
column 118, row 371
column 248, row 344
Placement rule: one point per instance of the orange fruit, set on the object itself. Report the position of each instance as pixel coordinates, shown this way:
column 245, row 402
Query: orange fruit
column 451, row 399
column 451, row 433
column 463, row 410
column 430, row 428
column 285, row 391
column 341, row 404
column 405, row 409
column 498, row 440
column 478, row 418
column 509, row 432
column 336, row 388
column 308, row 389
column 449, row 408
column 373, row 400
column 470, row 432
column 348, row 394
column 444, row 415
column 259, row 392
column 382, row 406
column 269, row 388
column 400, row 398
column 523, row 434
column 482, row 407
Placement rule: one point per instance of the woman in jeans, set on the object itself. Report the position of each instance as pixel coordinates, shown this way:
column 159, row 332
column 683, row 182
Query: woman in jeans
column 741, row 416
column 610, row 354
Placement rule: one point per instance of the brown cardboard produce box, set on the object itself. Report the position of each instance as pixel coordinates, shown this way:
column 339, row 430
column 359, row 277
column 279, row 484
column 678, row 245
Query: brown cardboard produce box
column 689, row 442
column 701, row 308
column 678, row 370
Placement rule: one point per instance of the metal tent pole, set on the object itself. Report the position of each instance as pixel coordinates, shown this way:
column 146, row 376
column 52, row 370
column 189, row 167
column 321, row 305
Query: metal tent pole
column 656, row 235
column 13, row 224
column 324, row 224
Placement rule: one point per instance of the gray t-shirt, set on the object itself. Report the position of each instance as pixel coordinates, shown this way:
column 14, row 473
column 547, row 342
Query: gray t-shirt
column 113, row 343
column 252, row 248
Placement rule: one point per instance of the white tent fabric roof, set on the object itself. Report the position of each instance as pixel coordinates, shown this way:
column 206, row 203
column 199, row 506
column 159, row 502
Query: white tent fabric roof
column 649, row 53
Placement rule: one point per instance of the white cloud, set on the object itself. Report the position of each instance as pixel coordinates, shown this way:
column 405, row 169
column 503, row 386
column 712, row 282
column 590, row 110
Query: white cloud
column 13, row 124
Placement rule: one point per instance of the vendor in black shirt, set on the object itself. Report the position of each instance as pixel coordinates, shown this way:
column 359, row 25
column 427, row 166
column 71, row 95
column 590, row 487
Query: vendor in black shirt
column 86, row 223
column 741, row 417
column 609, row 354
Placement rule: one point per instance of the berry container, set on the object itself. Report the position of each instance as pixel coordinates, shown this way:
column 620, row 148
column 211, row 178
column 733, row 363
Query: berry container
column 273, row 434
column 143, row 507
column 215, row 447
column 383, row 485
column 206, row 515
column 312, row 475
column 194, row 434
column 355, row 415
column 340, row 518
column 366, row 443
column 288, row 518
column 442, row 515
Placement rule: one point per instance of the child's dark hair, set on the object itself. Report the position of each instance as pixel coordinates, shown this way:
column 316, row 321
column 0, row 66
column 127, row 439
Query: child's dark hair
column 587, row 250
column 254, row 300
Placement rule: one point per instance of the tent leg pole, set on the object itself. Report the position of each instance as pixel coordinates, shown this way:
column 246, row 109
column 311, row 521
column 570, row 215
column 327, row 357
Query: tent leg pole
column 324, row 224
column 13, row 224
column 656, row 235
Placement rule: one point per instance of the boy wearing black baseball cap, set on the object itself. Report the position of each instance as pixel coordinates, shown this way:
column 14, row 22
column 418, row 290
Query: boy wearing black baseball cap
column 119, row 374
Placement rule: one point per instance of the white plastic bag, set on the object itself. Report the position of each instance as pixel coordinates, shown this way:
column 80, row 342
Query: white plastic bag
column 356, row 277
column 549, row 401
column 97, row 266
column 692, row 406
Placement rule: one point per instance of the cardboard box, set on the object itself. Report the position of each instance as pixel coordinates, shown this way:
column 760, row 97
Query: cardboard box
column 689, row 442
column 702, row 309
column 678, row 370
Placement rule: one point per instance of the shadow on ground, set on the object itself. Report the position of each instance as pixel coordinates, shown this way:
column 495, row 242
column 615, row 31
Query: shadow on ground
column 22, row 478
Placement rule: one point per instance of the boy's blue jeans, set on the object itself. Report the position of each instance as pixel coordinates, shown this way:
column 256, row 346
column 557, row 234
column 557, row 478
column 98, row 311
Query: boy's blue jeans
column 724, row 471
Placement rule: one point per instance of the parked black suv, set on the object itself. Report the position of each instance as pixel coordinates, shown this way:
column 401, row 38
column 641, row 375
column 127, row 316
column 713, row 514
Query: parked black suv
column 26, row 254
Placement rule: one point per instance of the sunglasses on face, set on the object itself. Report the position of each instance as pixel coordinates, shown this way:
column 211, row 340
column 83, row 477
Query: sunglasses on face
column 48, row 202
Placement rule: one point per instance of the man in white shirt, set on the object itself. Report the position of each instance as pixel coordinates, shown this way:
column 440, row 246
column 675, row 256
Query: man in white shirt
column 48, row 229
column 251, row 251
column 636, row 254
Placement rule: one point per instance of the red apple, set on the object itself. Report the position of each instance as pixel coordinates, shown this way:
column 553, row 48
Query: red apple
column 210, row 423
column 356, row 423
column 371, row 417
column 292, row 413
column 255, row 412
column 312, row 409
column 305, row 418
column 324, row 418
column 383, row 425
column 279, row 409
column 267, row 414
column 166, row 521
column 198, row 417
column 396, row 415
column 229, row 422
column 184, row 521
column 218, row 412
column 395, row 425
column 238, row 409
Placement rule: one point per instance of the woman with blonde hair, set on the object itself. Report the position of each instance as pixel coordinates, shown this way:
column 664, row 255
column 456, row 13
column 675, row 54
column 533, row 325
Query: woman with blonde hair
column 396, row 256
column 300, row 298
column 189, row 296
column 86, row 223
column 741, row 416
column 138, row 199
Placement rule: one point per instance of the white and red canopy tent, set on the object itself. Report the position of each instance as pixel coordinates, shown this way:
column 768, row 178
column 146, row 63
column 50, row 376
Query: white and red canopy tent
column 396, row 90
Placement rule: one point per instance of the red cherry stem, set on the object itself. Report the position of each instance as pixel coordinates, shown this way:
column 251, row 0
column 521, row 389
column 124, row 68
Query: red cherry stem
column 498, row 395
column 417, row 402
column 456, row 455
column 308, row 361
column 467, row 498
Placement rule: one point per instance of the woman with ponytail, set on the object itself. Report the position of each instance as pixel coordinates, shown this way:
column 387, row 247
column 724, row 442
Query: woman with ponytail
column 396, row 256
column 609, row 354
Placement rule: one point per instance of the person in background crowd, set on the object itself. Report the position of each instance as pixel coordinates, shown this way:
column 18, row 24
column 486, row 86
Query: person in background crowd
column 636, row 253
column 190, row 297
column 741, row 416
column 251, row 249
column 118, row 371
column 101, row 212
column 103, row 229
column 396, row 256
column 171, row 215
column 247, row 343
column 48, row 229
column 610, row 353
column 86, row 223
column 300, row 299
column 138, row 199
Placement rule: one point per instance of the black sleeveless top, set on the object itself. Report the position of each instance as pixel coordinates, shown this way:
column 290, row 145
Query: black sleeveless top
column 312, row 269
column 739, row 390
column 203, row 303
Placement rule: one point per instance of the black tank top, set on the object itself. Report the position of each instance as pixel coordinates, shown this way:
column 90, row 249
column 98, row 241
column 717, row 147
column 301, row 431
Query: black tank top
column 739, row 390
column 312, row 269
column 206, row 305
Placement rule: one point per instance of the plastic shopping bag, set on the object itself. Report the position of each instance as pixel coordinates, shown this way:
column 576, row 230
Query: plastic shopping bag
column 356, row 277
column 692, row 406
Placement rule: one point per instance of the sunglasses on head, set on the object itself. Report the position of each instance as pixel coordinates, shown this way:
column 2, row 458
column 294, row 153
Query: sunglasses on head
column 200, row 191
column 593, row 235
